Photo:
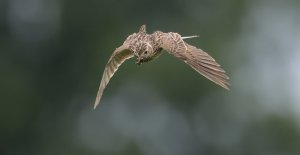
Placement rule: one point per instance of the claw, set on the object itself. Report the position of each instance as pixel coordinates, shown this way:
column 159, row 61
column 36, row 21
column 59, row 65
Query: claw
column 139, row 61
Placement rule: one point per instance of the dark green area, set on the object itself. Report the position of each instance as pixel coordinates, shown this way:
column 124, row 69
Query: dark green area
column 53, row 52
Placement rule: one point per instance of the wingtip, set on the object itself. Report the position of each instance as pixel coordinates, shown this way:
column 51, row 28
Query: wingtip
column 226, row 86
column 95, row 105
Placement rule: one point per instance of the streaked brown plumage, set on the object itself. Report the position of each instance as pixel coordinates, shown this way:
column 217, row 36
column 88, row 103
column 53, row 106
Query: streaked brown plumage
column 147, row 47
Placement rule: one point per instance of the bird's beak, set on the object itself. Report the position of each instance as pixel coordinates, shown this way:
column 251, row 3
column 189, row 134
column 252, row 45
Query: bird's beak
column 139, row 61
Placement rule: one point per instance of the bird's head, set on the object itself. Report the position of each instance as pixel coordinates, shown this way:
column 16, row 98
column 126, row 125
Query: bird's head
column 145, row 54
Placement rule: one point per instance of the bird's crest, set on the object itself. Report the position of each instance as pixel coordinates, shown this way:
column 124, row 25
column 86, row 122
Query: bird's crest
column 142, row 29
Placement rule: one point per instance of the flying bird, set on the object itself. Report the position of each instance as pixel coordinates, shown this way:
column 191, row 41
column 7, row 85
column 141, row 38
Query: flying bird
column 146, row 47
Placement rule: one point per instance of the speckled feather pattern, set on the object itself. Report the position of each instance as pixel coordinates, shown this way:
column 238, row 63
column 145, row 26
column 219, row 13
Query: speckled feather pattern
column 146, row 47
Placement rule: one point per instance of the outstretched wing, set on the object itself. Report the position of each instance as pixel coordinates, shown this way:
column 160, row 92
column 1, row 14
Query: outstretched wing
column 199, row 60
column 118, row 57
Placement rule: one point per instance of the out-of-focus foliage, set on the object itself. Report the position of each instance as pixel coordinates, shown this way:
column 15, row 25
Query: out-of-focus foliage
column 53, row 52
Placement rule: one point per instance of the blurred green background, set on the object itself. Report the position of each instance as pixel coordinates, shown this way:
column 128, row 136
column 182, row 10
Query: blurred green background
column 53, row 52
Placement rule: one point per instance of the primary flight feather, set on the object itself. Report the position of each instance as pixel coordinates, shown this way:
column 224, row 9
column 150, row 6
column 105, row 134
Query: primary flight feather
column 147, row 47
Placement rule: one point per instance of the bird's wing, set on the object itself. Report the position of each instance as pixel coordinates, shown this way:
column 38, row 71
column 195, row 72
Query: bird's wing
column 117, row 58
column 199, row 60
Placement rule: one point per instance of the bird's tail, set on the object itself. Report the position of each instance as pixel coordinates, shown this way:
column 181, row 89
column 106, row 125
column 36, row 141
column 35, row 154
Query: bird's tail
column 188, row 37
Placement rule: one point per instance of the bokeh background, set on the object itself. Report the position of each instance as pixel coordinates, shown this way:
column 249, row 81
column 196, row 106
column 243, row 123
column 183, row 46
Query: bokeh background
column 53, row 52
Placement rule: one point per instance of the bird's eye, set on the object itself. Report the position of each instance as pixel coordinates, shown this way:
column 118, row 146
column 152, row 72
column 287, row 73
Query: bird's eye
column 145, row 52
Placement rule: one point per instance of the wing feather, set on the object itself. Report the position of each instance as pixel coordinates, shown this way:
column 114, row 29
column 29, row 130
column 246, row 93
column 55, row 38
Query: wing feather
column 199, row 60
column 118, row 57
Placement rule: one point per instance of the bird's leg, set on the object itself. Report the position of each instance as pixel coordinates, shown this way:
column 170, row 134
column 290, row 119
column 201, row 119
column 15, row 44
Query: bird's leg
column 139, row 61
column 188, row 37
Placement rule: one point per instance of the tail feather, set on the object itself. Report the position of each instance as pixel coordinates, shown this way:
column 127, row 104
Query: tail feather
column 189, row 37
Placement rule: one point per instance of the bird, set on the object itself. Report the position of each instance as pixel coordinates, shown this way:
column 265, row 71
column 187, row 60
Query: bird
column 146, row 47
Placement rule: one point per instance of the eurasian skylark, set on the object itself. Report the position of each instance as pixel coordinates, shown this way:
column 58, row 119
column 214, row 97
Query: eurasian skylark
column 147, row 47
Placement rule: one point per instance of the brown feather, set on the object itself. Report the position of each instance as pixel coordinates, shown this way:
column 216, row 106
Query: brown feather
column 148, row 47
column 118, row 57
column 199, row 60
